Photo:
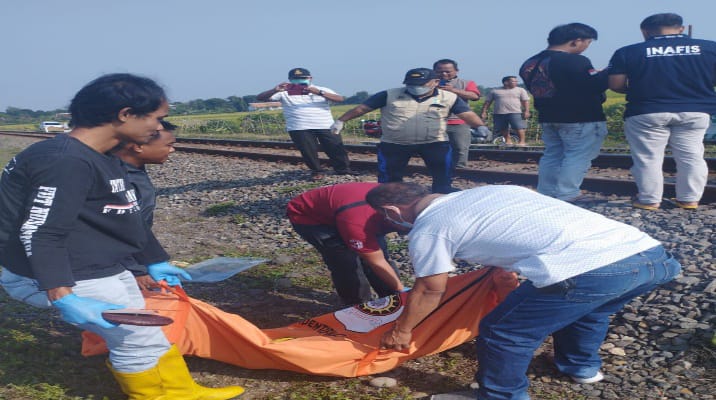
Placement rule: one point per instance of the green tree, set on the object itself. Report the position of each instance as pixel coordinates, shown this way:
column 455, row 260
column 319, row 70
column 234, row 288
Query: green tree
column 357, row 98
column 217, row 105
column 238, row 103
column 251, row 98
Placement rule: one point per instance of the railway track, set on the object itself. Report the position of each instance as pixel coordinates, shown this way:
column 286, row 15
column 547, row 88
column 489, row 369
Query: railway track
column 285, row 151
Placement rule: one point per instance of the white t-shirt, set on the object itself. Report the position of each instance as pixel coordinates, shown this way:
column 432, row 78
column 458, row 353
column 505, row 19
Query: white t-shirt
column 310, row 111
column 544, row 239
column 507, row 101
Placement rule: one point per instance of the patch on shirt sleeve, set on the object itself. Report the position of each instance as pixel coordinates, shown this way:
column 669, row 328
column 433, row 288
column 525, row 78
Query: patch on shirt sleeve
column 356, row 244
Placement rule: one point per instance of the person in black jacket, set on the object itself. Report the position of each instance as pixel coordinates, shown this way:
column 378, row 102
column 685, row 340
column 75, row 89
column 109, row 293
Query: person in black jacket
column 70, row 222
column 568, row 93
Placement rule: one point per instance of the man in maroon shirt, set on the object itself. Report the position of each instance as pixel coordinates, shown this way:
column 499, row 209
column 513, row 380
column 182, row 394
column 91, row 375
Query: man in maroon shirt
column 349, row 234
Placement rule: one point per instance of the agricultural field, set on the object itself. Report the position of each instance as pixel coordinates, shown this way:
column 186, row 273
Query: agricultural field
column 270, row 125
column 262, row 125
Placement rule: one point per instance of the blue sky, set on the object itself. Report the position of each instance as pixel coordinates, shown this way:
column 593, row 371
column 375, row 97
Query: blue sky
column 219, row 48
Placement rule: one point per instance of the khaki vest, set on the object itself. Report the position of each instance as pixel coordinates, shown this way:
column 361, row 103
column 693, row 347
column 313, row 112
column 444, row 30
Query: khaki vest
column 406, row 121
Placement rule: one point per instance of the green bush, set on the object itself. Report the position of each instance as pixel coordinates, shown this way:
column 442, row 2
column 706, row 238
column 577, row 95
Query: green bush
column 615, row 121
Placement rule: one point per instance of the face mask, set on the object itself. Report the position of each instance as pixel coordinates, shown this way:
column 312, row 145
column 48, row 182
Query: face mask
column 402, row 223
column 418, row 90
column 300, row 81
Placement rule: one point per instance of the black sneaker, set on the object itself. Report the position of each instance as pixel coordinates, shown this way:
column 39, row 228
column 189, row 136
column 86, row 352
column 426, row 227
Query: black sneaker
column 317, row 175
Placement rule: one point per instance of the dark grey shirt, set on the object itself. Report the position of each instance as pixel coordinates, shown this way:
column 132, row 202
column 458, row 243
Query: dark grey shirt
column 146, row 193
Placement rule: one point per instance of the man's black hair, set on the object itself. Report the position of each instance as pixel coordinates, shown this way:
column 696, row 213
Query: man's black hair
column 168, row 126
column 100, row 101
column 507, row 78
column 400, row 193
column 445, row 61
column 568, row 32
column 654, row 23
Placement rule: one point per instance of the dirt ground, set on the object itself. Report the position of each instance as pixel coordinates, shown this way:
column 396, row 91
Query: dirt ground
column 39, row 354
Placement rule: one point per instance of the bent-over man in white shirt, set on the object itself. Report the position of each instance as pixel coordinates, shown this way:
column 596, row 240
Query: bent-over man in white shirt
column 581, row 268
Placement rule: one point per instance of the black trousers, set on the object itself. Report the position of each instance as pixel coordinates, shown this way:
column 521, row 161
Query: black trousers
column 393, row 158
column 351, row 278
column 307, row 142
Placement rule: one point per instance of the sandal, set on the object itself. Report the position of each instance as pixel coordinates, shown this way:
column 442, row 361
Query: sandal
column 682, row 205
column 647, row 207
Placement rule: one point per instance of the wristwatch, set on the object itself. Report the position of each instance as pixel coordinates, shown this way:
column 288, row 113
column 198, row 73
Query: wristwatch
column 320, row 92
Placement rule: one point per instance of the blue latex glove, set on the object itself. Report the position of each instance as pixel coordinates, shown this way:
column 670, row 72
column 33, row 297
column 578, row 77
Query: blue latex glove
column 84, row 310
column 164, row 271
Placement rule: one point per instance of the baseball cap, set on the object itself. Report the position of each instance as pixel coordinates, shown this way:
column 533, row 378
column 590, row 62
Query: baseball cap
column 298, row 73
column 418, row 76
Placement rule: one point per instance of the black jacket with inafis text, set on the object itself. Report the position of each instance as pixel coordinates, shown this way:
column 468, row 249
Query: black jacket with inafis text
column 68, row 213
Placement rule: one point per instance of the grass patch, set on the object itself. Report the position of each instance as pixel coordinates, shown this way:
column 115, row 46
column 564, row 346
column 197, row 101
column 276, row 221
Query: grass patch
column 353, row 389
column 321, row 282
column 302, row 187
column 20, row 127
column 40, row 391
column 7, row 154
column 264, row 276
column 220, row 208
column 40, row 358
column 305, row 271
column 239, row 219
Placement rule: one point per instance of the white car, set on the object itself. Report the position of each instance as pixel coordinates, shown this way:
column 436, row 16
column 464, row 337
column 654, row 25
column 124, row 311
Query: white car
column 53, row 127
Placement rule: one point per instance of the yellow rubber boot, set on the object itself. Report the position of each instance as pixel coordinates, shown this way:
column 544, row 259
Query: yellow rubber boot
column 179, row 385
column 145, row 385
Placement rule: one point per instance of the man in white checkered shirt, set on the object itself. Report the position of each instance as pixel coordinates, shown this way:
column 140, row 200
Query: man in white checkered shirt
column 581, row 268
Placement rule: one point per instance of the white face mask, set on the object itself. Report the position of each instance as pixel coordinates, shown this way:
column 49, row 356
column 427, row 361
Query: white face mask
column 402, row 223
column 418, row 90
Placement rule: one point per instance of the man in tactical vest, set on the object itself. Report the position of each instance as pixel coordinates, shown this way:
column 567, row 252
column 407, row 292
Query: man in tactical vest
column 414, row 120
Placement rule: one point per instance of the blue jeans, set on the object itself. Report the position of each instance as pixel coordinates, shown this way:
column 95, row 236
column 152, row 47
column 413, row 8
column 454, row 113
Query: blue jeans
column 131, row 348
column 575, row 311
column 393, row 160
column 459, row 137
column 569, row 149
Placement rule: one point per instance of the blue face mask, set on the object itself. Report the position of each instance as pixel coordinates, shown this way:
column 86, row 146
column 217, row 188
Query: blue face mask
column 418, row 90
column 402, row 223
column 300, row 81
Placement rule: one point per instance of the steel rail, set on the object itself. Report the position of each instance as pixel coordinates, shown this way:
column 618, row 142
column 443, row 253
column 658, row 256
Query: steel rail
column 593, row 184
column 519, row 155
